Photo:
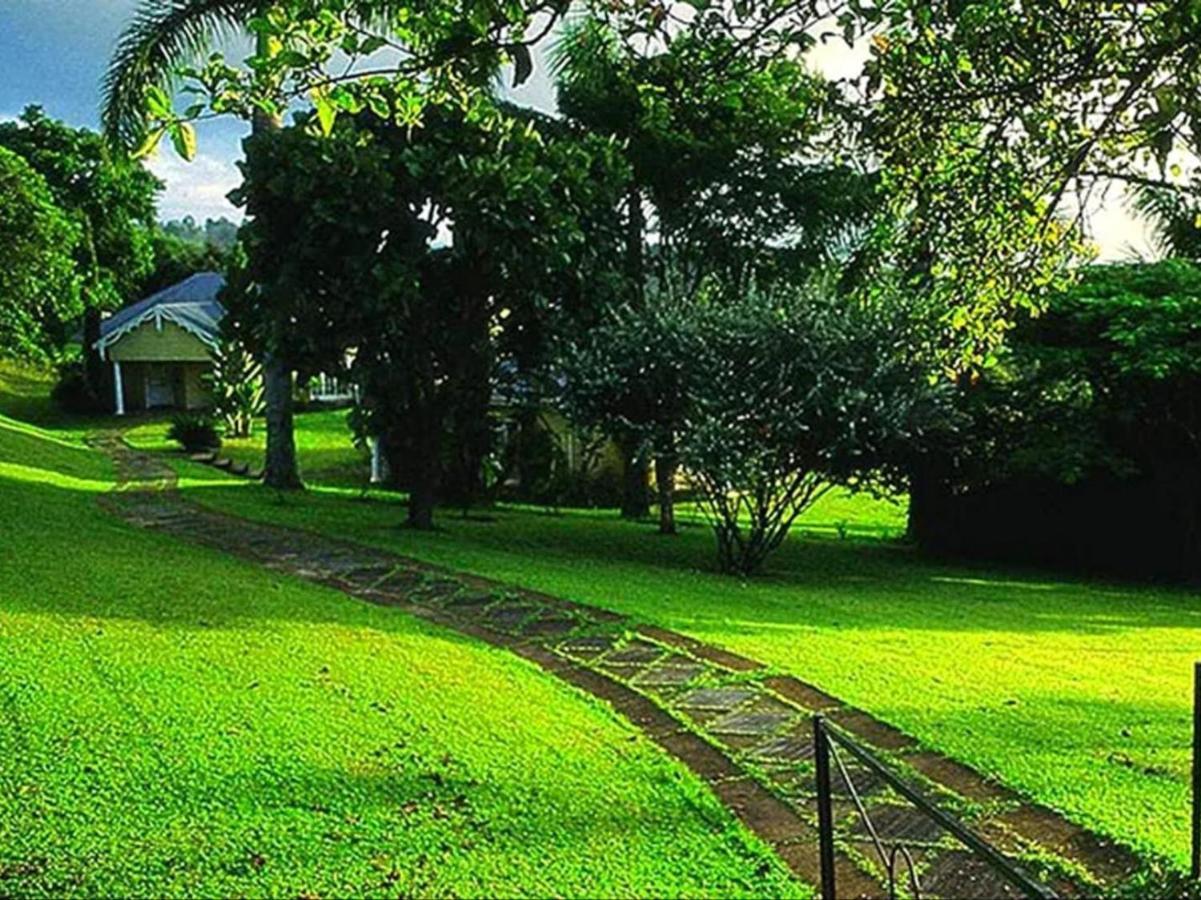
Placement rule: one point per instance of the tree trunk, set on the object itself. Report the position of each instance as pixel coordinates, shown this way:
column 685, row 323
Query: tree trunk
column 635, row 227
column 280, row 470
column 93, row 365
column 665, row 481
column 635, row 499
column 469, row 389
column 426, row 470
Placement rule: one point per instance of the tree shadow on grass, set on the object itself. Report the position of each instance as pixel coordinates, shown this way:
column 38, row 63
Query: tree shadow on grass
column 811, row 583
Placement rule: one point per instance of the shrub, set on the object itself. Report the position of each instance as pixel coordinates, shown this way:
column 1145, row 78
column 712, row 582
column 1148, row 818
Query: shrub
column 1080, row 446
column 194, row 432
column 73, row 394
column 765, row 400
column 236, row 383
column 790, row 394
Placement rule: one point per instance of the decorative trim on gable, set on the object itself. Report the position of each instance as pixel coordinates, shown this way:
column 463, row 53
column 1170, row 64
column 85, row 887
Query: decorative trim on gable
column 157, row 314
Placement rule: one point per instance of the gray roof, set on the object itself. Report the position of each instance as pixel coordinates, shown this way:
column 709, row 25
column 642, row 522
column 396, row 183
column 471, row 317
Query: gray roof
column 192, row 305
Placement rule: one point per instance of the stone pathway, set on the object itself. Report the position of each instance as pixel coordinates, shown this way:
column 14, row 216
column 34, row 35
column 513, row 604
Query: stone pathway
column 744, row 731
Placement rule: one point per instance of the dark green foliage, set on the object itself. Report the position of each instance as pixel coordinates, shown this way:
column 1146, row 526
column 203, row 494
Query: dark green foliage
column 627, row 377
column 721, row 133
column 181, row 249
column 110, row 201
column 790, row 394
column 39, row 290
column 1081, row 446
column 73, row 394
column 194, row 432
column 342, row 252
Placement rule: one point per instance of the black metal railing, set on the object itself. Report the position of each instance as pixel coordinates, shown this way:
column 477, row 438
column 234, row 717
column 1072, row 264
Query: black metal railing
column 1196, row 868
column 827, row 740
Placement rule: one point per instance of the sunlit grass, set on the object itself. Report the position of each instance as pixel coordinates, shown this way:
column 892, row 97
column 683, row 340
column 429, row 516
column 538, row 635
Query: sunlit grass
column 174, row 722
column 1072, row 691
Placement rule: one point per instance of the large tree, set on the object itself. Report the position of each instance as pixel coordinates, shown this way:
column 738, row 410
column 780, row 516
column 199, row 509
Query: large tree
column 112, row 202
column 39, row 289
column 432, row 50
column 726, row 132
column 431, row 252
column 988, row 117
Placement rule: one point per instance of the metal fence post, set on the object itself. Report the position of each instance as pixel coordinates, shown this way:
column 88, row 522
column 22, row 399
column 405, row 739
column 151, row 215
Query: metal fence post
column 1196, row 872
column 825, row 806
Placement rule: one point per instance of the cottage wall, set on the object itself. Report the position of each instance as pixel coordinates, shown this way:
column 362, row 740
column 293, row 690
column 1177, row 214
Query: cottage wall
column 148, row 343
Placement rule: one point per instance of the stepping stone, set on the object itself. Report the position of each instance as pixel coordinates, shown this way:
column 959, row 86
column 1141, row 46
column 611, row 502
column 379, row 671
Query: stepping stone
column 467, row 602
column 721, row 699
column 508, row 617
column 636, row 652
column 368, row 574
column 866, row 781
column 906, row 825
column 587, row 647
column 620, row 671
column 750, row 723
column 548, row 626
column 787, row 748
column 960, row 874
column 670, row 675
column 436, row 593
column 334, row 562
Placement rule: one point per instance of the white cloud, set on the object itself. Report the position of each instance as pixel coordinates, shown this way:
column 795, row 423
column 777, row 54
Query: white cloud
column 196, row 188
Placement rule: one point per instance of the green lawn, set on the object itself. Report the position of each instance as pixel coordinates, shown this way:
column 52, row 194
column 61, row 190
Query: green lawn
column 1074, row 692
column 1077, row 693
column 176, row 722
column 323, row 442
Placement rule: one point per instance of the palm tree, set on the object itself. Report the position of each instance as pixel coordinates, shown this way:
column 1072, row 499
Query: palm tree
column 1174, row 217
column 163, row 36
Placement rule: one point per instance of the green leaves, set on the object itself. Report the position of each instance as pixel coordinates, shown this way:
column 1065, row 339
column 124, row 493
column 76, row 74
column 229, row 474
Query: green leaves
column 183, row 138
column 39, row 286
column 150, row 144
column 327, row 112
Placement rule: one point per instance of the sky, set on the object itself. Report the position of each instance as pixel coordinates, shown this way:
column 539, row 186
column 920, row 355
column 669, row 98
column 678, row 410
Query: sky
column 54, row 53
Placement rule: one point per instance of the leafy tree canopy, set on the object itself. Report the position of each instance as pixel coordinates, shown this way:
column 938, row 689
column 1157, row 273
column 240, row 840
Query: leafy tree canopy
column 429, row 251
column 39, row 289
column 986, row 115
column 1105, row 382
column 111, row 200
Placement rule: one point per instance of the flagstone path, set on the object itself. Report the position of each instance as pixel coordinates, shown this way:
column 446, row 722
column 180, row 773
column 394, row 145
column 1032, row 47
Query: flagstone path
column 744, row 730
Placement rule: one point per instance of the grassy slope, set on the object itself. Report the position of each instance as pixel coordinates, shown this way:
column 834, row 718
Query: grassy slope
column 1075, row 692
column 174, row 722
